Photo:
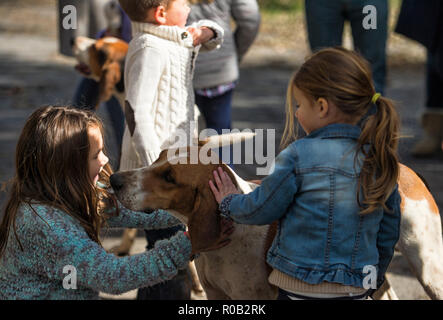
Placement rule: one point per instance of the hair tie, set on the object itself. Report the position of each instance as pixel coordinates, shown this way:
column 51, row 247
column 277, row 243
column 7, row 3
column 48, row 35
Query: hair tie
column 375, row 97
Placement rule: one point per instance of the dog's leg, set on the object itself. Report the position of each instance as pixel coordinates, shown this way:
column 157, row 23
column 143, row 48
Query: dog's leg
column 196, row 285
column 421, row 244
column 127, row 241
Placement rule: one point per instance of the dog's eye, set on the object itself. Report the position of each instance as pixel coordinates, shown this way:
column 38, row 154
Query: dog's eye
column 168, row 177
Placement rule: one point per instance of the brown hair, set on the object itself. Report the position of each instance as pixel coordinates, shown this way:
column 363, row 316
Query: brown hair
column 344, row 78
column 52, row 168
column 137, row 9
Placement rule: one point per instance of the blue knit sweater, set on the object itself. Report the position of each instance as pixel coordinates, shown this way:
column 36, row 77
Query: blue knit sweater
column 52, row 240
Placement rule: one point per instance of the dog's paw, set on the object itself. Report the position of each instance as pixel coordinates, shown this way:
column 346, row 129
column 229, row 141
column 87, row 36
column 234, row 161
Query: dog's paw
column 119, row 251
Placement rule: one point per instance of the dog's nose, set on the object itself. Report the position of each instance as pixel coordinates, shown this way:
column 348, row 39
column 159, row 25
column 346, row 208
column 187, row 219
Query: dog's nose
column 116, row 181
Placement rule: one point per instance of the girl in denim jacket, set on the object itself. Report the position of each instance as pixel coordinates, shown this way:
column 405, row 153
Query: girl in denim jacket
column 334, row 192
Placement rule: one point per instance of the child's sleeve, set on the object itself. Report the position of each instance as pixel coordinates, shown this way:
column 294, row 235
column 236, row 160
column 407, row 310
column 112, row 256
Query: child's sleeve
column 143, row 72
column 61, row 243
column 215, row 42
column 246, row 15
column 158, row 219
column 388, row 234
column 269, row 201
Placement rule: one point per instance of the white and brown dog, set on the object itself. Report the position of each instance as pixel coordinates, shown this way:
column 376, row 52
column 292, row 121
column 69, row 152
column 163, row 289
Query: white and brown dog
column 239, row 271
column 103, row 61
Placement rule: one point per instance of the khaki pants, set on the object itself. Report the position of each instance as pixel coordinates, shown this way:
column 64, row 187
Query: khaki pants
column 287, row 295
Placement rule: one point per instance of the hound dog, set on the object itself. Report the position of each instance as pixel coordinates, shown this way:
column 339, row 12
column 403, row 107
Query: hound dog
column 239, row 271
column 103, row 60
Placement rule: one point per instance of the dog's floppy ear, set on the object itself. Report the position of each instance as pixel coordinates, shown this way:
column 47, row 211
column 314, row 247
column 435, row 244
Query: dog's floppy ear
column 110, row 76
column 204, row 223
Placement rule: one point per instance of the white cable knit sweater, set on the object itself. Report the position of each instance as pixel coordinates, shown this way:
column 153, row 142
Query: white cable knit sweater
column 159, row 94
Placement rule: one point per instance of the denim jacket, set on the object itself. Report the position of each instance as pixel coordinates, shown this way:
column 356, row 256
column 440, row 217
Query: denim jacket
column 313, row 194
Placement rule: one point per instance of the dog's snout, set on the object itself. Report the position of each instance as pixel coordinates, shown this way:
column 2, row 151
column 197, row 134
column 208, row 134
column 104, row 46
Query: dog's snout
column 117, row 182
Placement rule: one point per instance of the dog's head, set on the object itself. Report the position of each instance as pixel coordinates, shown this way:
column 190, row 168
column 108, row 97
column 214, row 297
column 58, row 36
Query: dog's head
column 104, row 58
column 181, row 189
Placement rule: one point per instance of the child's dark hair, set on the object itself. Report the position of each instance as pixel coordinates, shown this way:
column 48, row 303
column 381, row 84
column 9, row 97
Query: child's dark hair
column 51, row 168
column 344, row 78
column 137, row 9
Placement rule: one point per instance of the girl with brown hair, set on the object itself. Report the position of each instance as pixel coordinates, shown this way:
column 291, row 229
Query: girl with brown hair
column 49, row 236
column 334, row 191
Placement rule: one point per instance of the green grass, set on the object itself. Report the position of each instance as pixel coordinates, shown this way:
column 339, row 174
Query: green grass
column 292, row 6
column 278, row 6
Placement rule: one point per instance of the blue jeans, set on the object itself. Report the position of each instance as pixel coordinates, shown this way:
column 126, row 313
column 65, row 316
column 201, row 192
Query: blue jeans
column 217, row 113
column 325, row 21
column 86, row 97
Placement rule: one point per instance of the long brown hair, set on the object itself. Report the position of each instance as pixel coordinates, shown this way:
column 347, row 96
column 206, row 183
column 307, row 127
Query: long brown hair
column 51, row 168
column 344, row 78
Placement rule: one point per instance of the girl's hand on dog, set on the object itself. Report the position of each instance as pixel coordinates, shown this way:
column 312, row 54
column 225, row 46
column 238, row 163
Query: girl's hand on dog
column 224, row 186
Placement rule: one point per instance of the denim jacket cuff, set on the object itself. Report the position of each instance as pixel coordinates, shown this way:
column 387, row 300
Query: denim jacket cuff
column 224, row 206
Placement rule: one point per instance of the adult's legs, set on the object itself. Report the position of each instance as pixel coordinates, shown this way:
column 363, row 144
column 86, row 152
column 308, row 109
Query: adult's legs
column 324, row 21
column 371, row 43
column 86, row 96
column 117, row 117
column 432, row 118
column 217, row 113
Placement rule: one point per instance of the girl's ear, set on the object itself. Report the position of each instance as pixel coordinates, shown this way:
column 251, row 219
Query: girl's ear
column 160, row 15
column 322, row 107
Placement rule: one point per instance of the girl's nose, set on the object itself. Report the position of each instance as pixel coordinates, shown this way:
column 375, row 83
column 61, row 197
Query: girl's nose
column 104, row 160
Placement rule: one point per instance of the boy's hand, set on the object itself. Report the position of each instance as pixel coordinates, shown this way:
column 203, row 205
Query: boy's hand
column 224, row 187
column 201, row 35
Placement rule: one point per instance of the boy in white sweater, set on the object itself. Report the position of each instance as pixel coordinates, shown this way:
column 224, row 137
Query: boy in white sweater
column 158, row 76
column 159, row 102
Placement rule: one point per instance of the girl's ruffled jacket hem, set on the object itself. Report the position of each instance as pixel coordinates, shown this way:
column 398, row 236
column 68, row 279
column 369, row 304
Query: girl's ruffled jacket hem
column 339, row 274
